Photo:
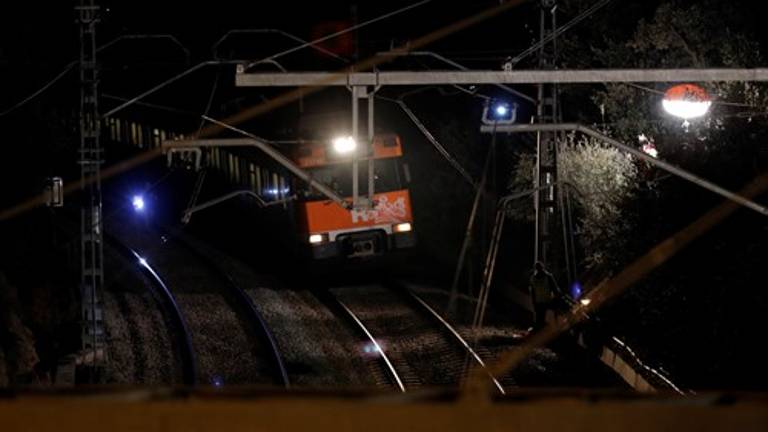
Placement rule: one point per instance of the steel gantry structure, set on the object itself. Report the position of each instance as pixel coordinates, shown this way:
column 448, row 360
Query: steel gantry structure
column 548, row 118
column 378, row 79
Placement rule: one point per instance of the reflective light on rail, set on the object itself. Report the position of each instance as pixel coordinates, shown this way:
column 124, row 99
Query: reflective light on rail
column 217, row 381
column 372, row 349
column 143, row 262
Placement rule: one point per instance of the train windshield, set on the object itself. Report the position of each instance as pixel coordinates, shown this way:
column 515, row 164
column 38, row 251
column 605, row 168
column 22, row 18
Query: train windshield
column 387, row 178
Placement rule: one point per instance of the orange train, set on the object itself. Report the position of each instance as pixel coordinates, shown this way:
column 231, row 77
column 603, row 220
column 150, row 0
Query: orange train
column 331, row 231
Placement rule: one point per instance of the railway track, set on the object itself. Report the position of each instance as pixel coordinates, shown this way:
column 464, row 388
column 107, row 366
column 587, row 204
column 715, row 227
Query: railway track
column 234, row 345
column 170, row 309
column 380, row 363
column 413, row 345
column 250, row 313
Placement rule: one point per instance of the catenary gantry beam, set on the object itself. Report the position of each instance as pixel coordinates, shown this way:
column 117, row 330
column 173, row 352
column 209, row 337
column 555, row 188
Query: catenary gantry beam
column 253, row 141
column 409, row 78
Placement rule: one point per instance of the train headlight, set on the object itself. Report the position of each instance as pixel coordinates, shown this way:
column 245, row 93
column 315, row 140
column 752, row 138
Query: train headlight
column 318, row 238
column 344, row 145
column 402, row 227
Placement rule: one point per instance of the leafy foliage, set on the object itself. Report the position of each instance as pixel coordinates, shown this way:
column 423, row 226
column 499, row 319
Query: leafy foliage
column 704, row 34
column 602, row 179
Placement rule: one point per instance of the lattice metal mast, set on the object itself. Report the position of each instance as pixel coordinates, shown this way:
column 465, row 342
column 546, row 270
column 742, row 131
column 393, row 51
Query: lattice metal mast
column 91, row 158
column 546, row 143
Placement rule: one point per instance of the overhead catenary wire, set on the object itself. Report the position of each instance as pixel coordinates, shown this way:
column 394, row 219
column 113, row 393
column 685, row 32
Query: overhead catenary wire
column 436, row 144
column 267, row 59
column 661, row 93
column 344, row 31
column 40, row 91
column 459, row 66
column 141, row 158
column 565, row 27
column 74, row 63
column 454, row 294
column 215, row 48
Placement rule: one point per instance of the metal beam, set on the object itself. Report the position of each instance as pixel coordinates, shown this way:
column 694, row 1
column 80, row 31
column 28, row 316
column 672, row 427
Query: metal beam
column 672, row 169
column 254, row 141
column 409, row 78
column 240, row 409
column 210, row 203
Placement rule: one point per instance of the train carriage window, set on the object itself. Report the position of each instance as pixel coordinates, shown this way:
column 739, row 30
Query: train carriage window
column 140, row 131
column 135, row 135
column 283, row 188
column 387, row 178
column 140, row 135
column 238, row 165
column 252, row 177
column 275, row 191
column 264, row 181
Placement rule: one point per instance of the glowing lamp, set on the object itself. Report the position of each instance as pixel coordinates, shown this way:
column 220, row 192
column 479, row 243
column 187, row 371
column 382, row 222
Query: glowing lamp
column 500, row 112
column 138, row 203
column 686, row 101
column 344, row 145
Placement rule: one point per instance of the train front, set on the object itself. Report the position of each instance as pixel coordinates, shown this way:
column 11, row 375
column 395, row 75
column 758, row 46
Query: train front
column 330, row 230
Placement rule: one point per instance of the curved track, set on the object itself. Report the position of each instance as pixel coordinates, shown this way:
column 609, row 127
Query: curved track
column 249, row 311
column 472, row 354
column 233, row 343
column 414, row 343
column 383, row 360
column 170, row 307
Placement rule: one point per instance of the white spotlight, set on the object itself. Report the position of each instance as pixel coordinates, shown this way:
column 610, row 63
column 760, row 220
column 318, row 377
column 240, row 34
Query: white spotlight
column 344, row 145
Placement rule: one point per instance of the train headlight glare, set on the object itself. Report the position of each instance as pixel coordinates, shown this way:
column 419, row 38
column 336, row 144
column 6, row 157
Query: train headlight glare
column 316, row 238
column 344, row 145
column 403, row 227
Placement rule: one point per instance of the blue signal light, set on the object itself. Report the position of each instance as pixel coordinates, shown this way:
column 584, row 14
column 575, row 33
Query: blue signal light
column 500, row 112
column 138, row 203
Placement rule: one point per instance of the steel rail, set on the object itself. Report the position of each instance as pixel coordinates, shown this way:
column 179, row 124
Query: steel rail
column 250, row 310
column 186, row 351
column 333, row 302
column 455, row 334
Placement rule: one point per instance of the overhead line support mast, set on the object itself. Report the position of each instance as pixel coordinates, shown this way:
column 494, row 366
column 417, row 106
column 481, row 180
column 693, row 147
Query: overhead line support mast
column 91, row 224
